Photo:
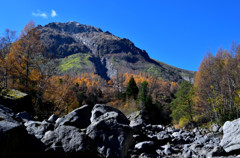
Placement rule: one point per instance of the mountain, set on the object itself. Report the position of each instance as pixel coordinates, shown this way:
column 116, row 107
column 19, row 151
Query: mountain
column 84, row 48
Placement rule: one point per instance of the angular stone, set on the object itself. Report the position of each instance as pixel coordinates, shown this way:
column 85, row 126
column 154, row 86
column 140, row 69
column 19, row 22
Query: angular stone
column 37, row 128
column 52, row 118
column 144, row 146
column 215, row 128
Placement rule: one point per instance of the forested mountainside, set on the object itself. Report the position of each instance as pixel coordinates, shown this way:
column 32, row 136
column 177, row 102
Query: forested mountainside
column 83, row 48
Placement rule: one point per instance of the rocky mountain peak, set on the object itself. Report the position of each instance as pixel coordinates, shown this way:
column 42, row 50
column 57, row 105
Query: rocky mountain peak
column 71, row 27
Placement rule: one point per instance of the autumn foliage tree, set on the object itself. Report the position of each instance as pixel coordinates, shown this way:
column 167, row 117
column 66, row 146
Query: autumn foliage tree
column 5, row 46
column 23, row 64
column 60, row 92
column 25, row 56
column 217, row 86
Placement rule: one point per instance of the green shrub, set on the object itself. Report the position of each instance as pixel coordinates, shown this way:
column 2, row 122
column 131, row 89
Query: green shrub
column 183, row 122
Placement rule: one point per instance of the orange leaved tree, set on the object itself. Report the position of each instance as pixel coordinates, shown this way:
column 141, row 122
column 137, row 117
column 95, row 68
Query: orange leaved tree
column 25, row 56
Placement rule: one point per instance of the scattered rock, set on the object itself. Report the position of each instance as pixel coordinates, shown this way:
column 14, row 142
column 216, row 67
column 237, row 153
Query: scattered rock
column 136, row 121
column 167, row 149
column 7, row 114
column 190, row 125
column 215, row 127
column 163, row 137
column 144, row 146
column 25, row 116
column 220, row 130
column 216, row 151
column 201, row 139
column 103, row 131
column 137, row 115
column 53, row 118
column 38, row 129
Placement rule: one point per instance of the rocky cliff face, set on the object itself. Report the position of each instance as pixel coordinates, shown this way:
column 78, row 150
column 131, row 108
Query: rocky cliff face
column 107, row 54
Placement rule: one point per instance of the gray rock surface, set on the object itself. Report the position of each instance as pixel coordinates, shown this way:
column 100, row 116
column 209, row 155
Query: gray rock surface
column 38, row 129
column 70, row 141
column 7, row 114
column 79, row 117
column 231, row 134
column 25, row 116
column 146, row 145
column 110, row 131
column 215, row 128
column 100, row 109
column 14, row 139
column 53, row 118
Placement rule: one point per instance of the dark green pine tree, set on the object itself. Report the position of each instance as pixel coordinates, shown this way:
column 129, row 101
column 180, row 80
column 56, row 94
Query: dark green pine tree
column 152, row 112
column 144, row 98
column 182, row 106
column 132, row 89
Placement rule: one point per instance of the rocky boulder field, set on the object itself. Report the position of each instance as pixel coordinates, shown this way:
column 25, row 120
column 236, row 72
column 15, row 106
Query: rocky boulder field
column 103, row 131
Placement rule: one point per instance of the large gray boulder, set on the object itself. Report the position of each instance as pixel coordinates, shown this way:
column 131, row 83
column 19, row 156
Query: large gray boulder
column 11, row 139
column 100, row 109
column 110, row 131
column 14, row 139
column 68, row 141
column 231, row 134
column 79, row 117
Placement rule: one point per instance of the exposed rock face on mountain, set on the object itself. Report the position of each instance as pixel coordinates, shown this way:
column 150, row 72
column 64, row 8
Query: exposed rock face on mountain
column 108, row 133
column 89, row 49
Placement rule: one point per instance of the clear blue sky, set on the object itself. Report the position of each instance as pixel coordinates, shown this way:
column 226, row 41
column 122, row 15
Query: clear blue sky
column 177, row 32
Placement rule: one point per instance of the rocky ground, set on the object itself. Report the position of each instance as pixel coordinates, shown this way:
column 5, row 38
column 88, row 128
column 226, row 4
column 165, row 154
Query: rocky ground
column 104, row 131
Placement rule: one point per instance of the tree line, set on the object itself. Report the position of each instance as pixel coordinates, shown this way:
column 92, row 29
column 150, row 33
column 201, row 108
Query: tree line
column 215, row 95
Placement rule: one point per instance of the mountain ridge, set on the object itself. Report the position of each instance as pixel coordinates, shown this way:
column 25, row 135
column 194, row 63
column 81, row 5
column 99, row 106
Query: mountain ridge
column 107, row 53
